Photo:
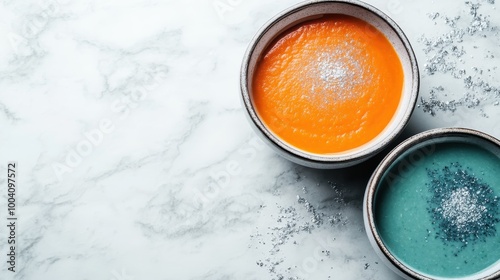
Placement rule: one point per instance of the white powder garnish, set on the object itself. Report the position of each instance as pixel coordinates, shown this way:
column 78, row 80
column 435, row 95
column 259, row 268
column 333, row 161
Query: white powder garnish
column 338, row 73
column 461, row 209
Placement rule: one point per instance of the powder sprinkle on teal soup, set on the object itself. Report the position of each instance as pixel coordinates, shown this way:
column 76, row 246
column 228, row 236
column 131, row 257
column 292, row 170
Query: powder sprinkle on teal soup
column 463, row 207
column 438, row 211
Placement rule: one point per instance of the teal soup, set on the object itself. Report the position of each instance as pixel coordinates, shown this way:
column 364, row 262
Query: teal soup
column 437, row 209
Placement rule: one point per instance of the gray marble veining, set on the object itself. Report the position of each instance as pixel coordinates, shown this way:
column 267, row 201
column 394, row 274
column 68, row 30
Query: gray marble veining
column 135, row 158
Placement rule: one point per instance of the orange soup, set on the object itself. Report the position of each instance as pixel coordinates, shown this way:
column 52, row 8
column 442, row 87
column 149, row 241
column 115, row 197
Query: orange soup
column 328, row 85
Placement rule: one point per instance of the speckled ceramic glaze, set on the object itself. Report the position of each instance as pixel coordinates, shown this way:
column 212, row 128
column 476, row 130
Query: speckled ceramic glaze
column 312, row 10
column 422, row 140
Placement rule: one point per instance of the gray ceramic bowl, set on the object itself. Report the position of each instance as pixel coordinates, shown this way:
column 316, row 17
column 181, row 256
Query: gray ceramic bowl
column 312, row 10
column 422, row 140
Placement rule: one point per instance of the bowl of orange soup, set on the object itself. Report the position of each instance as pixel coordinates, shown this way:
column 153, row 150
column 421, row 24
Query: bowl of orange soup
column 329, row 84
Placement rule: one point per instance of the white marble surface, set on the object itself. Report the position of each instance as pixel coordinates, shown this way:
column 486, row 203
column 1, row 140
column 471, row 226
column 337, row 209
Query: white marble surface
column 174, row 183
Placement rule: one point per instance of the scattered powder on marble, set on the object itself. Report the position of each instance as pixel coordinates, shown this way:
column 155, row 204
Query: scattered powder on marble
column 446, row 55
column 291, row 223
column 464, row 208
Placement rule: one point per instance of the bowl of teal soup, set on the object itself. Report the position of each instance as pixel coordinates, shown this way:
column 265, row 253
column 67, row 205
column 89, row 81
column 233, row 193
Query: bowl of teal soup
column 432, row 206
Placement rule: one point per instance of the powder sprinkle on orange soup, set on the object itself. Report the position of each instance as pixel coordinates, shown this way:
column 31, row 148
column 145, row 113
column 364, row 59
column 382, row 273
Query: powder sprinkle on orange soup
column 328, row 85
